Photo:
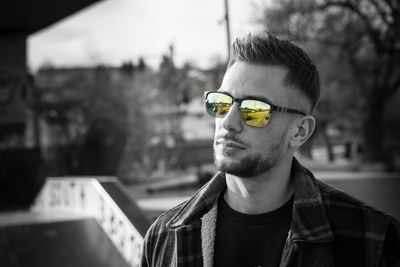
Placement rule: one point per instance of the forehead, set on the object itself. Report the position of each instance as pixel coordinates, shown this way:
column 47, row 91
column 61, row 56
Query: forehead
column 243, row 80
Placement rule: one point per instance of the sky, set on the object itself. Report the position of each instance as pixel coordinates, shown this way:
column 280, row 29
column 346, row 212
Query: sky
column 115, row 31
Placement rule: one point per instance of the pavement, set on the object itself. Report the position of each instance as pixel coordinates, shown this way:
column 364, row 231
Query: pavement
column 382, row 193
column 368, row 183
column 77, row 240
column 78, row 243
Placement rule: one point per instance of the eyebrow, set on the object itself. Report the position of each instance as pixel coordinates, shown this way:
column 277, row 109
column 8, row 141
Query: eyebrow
column 253, row 97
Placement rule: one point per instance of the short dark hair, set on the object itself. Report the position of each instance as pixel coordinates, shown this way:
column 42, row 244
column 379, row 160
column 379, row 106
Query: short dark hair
column 267, row 49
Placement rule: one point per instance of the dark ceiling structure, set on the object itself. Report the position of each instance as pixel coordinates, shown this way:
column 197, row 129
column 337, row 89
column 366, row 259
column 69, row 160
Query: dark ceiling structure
column 29, row 16
column 20, row 163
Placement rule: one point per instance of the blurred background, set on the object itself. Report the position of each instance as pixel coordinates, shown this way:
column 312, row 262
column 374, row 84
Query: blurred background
column 114, row 88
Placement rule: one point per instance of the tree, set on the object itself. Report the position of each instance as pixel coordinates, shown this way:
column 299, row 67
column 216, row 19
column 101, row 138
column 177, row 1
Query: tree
column 366, row 36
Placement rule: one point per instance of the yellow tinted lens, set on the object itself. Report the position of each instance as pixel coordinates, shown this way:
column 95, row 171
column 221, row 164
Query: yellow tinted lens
column 218, row 104
column 255, row 113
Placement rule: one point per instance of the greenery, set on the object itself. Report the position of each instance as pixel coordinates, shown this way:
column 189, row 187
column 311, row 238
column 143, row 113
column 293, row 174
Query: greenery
column 356, row 45
column 123, row 121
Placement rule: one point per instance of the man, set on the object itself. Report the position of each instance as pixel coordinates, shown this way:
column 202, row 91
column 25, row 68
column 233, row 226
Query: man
column 263, row 208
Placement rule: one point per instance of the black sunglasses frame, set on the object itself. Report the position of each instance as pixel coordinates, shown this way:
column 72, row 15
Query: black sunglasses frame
column 274, row 108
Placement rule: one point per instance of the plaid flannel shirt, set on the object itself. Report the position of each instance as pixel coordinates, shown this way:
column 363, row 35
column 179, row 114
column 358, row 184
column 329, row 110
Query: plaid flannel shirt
column 328, row 228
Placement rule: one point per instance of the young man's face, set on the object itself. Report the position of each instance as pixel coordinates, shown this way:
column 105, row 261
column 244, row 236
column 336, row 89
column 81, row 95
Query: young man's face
column 244, row 150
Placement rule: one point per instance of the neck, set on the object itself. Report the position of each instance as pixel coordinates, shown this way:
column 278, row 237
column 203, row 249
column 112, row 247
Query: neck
column 263, row 193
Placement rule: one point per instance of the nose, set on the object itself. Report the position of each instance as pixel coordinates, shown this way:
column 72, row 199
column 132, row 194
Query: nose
column 232, row 122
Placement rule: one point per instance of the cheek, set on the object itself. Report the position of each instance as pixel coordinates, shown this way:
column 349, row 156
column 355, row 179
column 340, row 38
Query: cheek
column 218, row 124
column 263, row 140
column 257, row 138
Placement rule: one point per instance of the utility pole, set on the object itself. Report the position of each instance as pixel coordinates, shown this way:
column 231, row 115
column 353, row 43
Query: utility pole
column 171, row 50
column 228, row 33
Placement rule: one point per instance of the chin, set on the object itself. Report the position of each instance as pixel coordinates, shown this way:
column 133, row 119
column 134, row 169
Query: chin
column 245, row 166
column 224, row 159
column 227, row 156
column 225, row 162
column 231, row 165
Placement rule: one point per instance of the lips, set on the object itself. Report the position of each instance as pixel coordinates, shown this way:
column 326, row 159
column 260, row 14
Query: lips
column 229, row 143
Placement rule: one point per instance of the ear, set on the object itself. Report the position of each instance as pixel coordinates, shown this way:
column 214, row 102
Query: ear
column 302, row 131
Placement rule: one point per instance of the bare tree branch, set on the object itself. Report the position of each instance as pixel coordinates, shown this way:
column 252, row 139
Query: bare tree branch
column 392, row 4
column 394, row 80
column 373, row 33
column 380, row 10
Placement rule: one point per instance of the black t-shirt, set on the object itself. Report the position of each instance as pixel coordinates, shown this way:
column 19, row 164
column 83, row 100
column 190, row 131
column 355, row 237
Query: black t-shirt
column 245, row 240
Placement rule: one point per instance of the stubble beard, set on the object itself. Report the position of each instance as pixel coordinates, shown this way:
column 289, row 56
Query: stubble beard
column 250, row 165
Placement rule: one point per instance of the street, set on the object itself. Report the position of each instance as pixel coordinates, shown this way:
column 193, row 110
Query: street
column 377, row 189
column 382, row 192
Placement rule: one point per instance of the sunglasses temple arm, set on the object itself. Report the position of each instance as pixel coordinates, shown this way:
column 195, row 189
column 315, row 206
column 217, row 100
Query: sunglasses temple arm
column 288, row 110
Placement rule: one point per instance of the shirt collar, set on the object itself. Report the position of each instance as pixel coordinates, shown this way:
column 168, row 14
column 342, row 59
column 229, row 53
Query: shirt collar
column 200, row 203
column 309, row 219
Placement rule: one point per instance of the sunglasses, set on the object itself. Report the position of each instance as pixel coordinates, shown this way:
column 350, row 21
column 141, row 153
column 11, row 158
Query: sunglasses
column 254, row 112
